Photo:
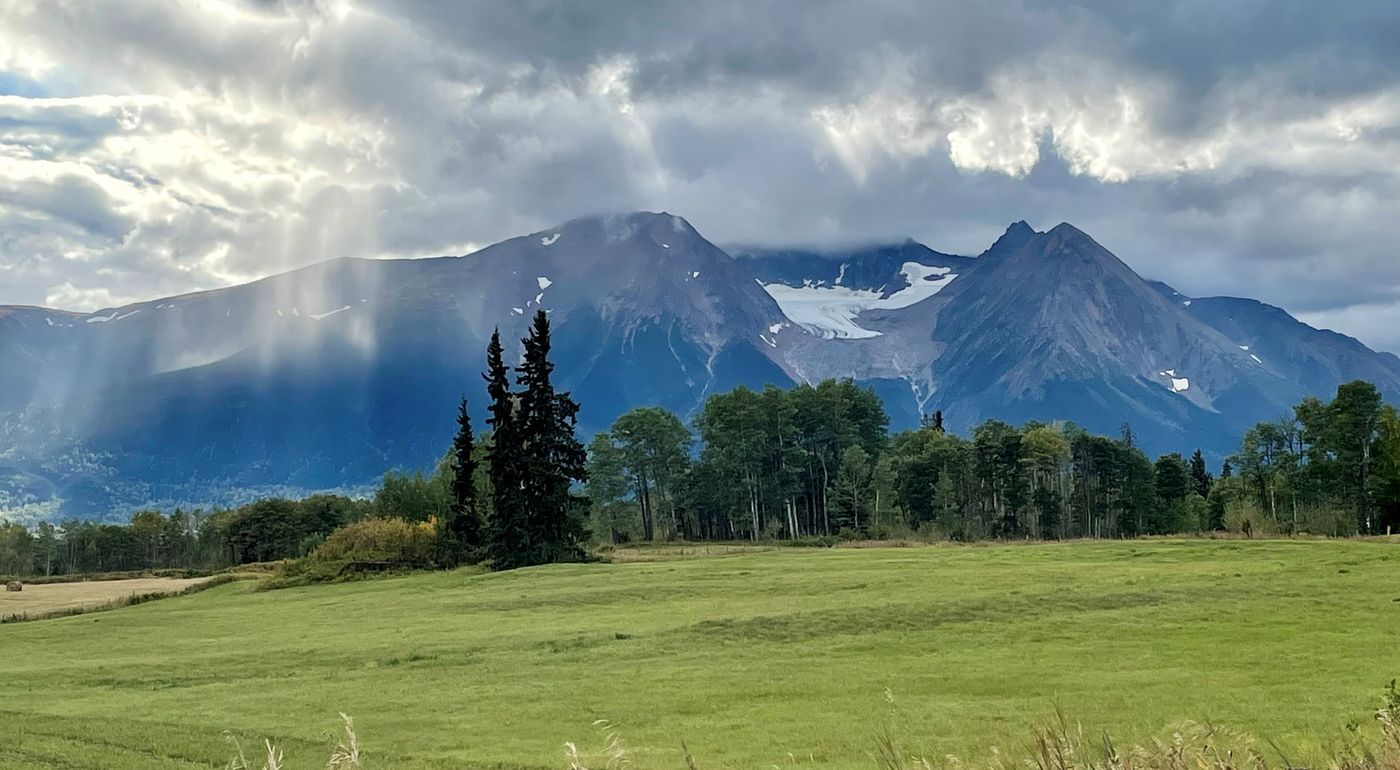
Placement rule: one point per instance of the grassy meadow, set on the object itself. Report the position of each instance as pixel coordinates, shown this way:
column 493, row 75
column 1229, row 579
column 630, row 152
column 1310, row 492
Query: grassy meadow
column 785, row 657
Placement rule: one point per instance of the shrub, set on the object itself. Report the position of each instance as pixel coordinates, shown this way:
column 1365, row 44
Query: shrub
column 381, row 540
column 1326, row 520
column 1247, row 518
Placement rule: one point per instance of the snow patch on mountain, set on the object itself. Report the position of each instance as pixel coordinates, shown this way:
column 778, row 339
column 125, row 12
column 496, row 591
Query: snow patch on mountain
column 1178, row 384
column 550, row 239
column 831, row 311
column 329, row 313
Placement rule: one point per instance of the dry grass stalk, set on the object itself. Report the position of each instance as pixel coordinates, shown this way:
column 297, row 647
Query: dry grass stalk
column 1056, row 745
column 346, row 754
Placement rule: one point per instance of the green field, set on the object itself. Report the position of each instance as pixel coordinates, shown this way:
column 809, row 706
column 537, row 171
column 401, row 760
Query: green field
column 779, row 658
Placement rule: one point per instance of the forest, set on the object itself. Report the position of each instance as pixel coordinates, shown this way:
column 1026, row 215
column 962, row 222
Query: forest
column 814, row 462
column 817, row 461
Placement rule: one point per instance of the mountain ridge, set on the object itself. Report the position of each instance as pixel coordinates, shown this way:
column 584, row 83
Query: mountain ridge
column 324, row 376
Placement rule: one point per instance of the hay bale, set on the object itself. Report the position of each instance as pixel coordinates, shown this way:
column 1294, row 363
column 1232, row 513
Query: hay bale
column 14, row 585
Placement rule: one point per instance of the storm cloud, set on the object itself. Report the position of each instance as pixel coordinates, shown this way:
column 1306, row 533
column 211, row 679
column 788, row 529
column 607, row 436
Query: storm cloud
column 151, row 147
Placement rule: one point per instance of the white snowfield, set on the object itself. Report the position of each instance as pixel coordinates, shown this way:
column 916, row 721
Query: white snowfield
column 1179, row 384
column 832, row 311
column 549, row 240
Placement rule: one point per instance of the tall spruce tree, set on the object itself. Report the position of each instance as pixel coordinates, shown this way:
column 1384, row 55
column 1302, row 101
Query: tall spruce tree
column 553, row 458
column 508, row 537
column 463, row 528
column 1201, row 479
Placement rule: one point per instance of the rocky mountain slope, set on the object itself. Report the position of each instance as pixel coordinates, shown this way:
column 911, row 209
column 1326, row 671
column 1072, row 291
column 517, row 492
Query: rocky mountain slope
column 327, row 376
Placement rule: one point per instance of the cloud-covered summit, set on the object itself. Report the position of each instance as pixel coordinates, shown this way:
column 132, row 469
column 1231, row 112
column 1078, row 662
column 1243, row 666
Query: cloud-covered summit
column 150, row 147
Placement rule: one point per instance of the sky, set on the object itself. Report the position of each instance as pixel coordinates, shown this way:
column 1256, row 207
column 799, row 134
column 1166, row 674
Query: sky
column 153, row 147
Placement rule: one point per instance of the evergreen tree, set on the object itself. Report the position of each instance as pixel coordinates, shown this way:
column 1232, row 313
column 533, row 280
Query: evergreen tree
column 1200, row 477
column 509, row 537
column 553, row 458
column 462, row 531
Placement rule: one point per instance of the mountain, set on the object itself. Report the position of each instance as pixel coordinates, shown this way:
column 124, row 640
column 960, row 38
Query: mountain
column 1315, row 359
column 1057, row 327
column 324, row 377
column 1053, row 326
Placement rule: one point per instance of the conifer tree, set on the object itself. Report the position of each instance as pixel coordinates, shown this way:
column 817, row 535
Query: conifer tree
column 553, row 458
column 1200, row 477
column 463, row 529
column 507, row 536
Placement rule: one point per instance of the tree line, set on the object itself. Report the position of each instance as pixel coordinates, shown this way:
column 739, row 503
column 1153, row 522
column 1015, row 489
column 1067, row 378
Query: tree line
column 818, row 461
column 813, row 461
column 1329, row 467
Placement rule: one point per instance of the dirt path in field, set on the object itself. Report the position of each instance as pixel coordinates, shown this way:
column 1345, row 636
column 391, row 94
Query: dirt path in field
column 61, row 597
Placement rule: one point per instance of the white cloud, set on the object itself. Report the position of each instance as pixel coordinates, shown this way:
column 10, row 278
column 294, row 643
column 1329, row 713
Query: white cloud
column 69, row 296
column 180, row 146
column 1376, row 324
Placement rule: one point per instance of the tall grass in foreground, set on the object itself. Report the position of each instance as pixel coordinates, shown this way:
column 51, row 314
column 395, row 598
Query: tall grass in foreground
column 1055, row 745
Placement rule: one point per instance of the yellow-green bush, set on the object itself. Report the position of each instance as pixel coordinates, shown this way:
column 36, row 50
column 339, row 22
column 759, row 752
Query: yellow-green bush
column 391, row 540
column 1246, row 517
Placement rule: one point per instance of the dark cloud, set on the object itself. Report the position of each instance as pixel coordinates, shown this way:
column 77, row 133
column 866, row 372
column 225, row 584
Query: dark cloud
column 1237, row 148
